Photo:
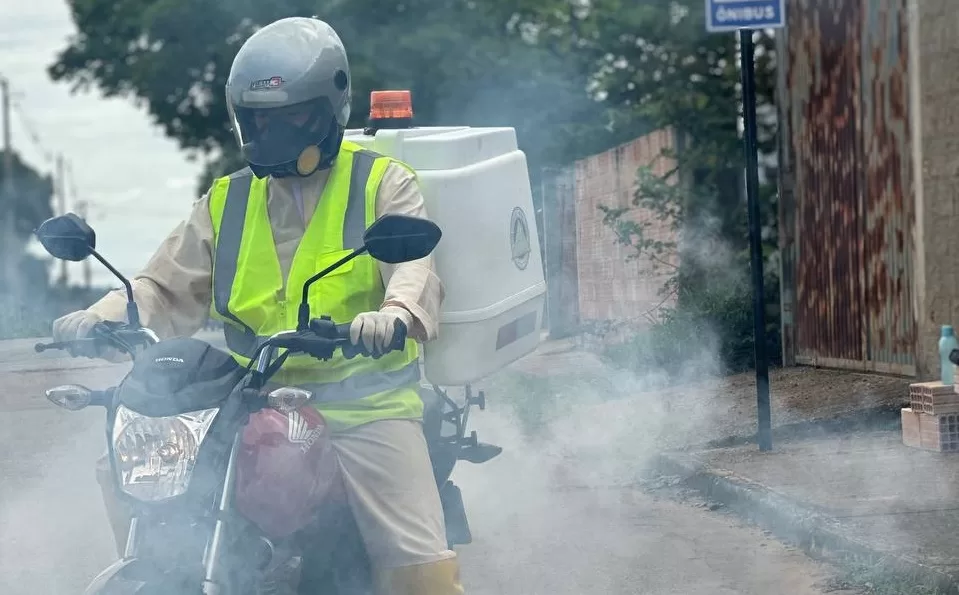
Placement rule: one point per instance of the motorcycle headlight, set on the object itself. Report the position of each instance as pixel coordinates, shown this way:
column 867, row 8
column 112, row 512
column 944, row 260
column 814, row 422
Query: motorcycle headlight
column 155, row 456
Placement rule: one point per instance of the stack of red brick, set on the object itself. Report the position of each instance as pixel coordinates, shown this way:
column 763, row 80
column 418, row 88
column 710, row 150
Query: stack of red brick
column 931, row 422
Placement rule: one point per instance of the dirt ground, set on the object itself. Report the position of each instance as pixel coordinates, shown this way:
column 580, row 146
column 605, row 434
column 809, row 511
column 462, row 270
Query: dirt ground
column 802, row 393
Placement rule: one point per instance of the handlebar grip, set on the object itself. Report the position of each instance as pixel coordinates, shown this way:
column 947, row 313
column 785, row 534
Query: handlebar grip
column 347, row 348
column 41, row 347
column 399, row 336
column 350, row 350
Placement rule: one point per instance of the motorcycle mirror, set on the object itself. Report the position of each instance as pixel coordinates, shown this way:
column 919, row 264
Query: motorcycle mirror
column 67, row 237
column 392, row 239
column 401, row 238
column 70, row 396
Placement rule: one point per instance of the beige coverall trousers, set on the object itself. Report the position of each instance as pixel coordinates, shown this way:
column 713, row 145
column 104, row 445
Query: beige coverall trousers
column 391, row 490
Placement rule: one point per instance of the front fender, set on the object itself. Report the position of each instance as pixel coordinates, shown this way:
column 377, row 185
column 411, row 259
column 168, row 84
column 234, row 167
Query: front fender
column 112, row 581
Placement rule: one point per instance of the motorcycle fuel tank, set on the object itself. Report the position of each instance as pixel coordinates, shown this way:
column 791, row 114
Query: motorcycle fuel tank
column 286, row 469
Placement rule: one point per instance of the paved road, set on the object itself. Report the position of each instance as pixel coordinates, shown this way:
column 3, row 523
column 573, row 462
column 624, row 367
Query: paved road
column 535, row 534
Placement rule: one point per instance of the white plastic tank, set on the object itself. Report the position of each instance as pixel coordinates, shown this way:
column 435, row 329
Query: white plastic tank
column 476, row 186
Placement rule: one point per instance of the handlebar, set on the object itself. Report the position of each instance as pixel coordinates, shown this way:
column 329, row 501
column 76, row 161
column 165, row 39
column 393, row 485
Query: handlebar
column 347, row 348
column 324, row 337
column 320, row 340
column 104, row 334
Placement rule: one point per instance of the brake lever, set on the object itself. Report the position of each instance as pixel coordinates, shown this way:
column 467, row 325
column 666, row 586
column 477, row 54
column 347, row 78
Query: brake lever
column 103, row 331
column 349, row 350
column 56, row 345
column 67, row 346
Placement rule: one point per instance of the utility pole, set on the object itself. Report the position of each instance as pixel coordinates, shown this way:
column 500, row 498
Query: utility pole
column 9, row 273
column 87, row 271
column 60, row 187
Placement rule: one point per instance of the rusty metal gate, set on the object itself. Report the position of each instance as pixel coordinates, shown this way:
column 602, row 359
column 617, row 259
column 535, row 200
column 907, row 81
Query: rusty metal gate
column 848, row 279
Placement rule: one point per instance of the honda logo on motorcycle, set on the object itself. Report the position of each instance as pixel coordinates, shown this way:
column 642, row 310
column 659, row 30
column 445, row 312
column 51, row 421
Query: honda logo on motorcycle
column 169, row 361
column 299, row 431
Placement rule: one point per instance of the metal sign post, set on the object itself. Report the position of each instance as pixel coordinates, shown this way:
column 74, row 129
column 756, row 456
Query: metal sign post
column 745, row 16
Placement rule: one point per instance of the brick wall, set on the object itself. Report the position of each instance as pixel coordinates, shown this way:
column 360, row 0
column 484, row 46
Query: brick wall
column 610, row 286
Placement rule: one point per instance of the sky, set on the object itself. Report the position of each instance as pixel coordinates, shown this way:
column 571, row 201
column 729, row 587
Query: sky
column 138, row 183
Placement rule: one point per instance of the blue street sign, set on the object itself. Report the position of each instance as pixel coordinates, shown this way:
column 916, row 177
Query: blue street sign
column 732, row 15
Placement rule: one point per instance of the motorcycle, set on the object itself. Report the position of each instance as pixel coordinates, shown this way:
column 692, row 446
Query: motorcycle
column 233, row 484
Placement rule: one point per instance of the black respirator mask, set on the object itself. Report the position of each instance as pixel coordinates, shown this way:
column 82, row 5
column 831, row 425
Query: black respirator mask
column 273, row 144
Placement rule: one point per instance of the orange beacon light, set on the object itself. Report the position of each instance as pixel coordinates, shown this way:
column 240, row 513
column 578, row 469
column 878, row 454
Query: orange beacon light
column 390, row 109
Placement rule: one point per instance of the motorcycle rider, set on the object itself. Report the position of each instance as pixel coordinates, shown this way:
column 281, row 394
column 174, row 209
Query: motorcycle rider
column 242, row 257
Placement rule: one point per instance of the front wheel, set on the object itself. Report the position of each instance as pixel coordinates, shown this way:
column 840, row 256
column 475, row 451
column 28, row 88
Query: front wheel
column 120, row 586
column 121, row 579
column 113, row 581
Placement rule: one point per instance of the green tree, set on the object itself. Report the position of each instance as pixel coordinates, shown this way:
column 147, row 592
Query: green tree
column 31, row 198
column 474, row 63
column 31, row 205
column 656, row 63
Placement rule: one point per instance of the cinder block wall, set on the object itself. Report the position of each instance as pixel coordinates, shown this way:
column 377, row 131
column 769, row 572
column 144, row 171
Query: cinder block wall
column 934, row 104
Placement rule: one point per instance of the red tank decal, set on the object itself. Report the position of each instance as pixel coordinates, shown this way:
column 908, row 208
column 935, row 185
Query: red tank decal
column 286, row 469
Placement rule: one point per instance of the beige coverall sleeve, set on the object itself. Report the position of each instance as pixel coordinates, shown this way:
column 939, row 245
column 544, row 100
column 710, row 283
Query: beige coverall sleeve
column 174, row 290
column 411, row 285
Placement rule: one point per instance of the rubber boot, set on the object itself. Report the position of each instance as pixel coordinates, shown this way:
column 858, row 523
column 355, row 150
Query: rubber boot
column 435, row 578
column 118, row 513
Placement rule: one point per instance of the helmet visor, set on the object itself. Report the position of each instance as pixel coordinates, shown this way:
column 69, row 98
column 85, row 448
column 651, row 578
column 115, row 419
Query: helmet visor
column 274, row 136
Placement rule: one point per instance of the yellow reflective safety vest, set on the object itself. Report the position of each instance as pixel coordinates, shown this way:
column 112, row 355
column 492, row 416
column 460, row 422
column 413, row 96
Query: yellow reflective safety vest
column 254, row 302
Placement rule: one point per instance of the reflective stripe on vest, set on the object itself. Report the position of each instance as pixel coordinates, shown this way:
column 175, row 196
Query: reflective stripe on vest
column 240, row 338
column 358, row 386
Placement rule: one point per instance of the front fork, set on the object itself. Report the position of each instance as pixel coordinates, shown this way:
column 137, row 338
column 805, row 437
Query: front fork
column 212, row 585
column 130, row 549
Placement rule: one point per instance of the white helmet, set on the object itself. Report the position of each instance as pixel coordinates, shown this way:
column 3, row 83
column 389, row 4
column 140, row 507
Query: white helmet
column 288, row 96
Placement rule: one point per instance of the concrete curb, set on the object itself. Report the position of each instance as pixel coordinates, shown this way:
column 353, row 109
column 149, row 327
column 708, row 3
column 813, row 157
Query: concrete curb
column 810, row 528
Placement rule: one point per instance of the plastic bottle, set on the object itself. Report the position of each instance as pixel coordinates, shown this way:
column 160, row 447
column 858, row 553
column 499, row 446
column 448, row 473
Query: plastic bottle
column 947, row 342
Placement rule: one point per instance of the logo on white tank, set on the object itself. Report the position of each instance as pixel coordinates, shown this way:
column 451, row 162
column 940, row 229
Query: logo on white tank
column 519, row 241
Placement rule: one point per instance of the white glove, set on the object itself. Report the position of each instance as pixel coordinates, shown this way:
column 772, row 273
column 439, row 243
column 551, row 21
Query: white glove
column 74, row 326
column 78, row 325
column 376, row 329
